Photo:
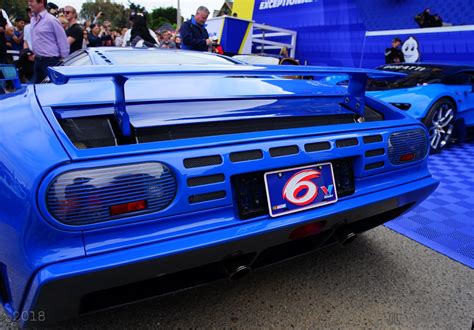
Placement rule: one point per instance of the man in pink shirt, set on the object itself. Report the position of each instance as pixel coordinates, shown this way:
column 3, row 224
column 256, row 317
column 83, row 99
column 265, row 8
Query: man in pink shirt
column 49, row 38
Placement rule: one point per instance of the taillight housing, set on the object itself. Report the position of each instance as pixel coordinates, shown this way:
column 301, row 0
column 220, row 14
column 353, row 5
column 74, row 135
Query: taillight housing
column 407, row 146
column 96, row 195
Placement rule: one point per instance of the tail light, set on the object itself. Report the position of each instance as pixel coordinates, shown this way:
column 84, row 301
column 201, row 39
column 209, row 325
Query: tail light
column 97, row 195
column 407, row 146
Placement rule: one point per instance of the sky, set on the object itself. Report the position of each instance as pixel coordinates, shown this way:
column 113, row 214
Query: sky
column 188, row 7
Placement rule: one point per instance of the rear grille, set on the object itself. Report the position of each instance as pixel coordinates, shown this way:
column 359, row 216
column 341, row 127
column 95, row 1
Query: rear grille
column 372, row 139
column 202, row 161
column 375, row 152
column 318, row 146
column 284, row 151
column 347, row 142
column 251, row 196
column 373, row 166
column 207, row 197
column 176, row 132
column 103, row 130
column 204, row 180
column 413, row 141
column 245, row 156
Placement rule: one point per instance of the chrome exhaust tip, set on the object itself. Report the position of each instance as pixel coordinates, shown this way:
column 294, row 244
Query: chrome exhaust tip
column 345, row 238
column 239, row 272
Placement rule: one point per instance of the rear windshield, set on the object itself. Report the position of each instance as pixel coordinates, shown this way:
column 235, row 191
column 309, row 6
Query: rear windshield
column 417, row 75
column 165, row 57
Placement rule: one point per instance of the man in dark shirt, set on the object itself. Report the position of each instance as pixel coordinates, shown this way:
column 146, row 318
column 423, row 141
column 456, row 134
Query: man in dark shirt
column 3, row 42
column 194, row 35
column 74, row 32
column 394, row 54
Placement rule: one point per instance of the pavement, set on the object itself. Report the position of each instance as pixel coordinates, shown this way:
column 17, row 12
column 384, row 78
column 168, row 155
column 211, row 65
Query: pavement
column 381, row 280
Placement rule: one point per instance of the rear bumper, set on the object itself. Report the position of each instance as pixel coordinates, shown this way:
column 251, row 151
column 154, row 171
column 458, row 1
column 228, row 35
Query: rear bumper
column 68, row 289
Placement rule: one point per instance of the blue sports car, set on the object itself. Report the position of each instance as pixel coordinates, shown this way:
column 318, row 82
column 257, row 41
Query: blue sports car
column 439, row 95
column 134, row 173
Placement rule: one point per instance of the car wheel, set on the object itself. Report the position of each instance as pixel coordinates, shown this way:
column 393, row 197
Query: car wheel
column 440, row 123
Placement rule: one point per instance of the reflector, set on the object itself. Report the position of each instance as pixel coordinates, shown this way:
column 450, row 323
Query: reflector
column 307, row 230
column 407, row 157
column 127, row 207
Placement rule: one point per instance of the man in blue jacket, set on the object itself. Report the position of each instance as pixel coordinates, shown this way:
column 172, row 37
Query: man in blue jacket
column 193, row 32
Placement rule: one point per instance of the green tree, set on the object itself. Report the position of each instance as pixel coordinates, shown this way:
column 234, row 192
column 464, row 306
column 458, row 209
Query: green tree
column 136, row 8
column 163, row 15
column 116, row 13
column 15, row 8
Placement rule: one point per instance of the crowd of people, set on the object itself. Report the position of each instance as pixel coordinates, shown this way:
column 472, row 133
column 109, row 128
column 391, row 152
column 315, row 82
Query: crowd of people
column 48, row 34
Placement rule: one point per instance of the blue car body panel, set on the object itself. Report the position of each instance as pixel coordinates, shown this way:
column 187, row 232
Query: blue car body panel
column 422, row 99
column 47, row 264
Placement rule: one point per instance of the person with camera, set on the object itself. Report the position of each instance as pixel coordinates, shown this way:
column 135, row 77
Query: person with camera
column 166, row 41
column 426, row 19
column 194, row 35
column 106, row 34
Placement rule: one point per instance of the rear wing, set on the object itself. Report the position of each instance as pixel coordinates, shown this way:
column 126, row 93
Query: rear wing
column 353, row 100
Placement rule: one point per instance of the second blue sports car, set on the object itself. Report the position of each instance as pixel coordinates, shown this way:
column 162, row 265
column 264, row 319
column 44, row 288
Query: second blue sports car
column 439, row 95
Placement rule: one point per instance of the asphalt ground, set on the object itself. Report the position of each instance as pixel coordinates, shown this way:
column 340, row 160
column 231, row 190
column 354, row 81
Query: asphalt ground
column 381, row 280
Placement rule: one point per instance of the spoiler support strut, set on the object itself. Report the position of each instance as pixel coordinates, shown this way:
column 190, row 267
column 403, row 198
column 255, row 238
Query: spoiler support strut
column 121, row 114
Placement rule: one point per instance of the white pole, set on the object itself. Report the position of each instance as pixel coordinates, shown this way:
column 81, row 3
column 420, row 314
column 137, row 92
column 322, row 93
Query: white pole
column 178, row 16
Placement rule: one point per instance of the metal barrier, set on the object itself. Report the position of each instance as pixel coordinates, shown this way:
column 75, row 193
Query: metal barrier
column 266, row 31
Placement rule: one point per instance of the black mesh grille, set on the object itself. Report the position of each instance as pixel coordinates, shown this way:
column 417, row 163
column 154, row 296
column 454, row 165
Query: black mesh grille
column 246, row 156
column 203, row 180
column 373, row 138
column 90, row 132
column 202, row 161
column 284, row 151
column 318, row 146
column 206, row 197
column 375, row 165
column 347, row 142
column 250, row 194
column 175, row 132
column 375, row 152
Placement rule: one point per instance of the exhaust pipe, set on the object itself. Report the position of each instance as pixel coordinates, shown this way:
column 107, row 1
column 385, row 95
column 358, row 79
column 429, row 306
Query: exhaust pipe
column 346, row 238
column 237, row 272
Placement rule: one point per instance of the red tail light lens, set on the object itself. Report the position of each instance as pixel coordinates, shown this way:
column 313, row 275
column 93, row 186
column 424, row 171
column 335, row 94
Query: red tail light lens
column 407, row 157
column 127, row 207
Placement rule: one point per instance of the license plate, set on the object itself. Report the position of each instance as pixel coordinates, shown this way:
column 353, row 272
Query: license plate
column 300, row 188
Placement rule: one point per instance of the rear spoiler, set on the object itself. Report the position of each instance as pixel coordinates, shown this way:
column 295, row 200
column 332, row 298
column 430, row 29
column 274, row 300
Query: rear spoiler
column 354, row 99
